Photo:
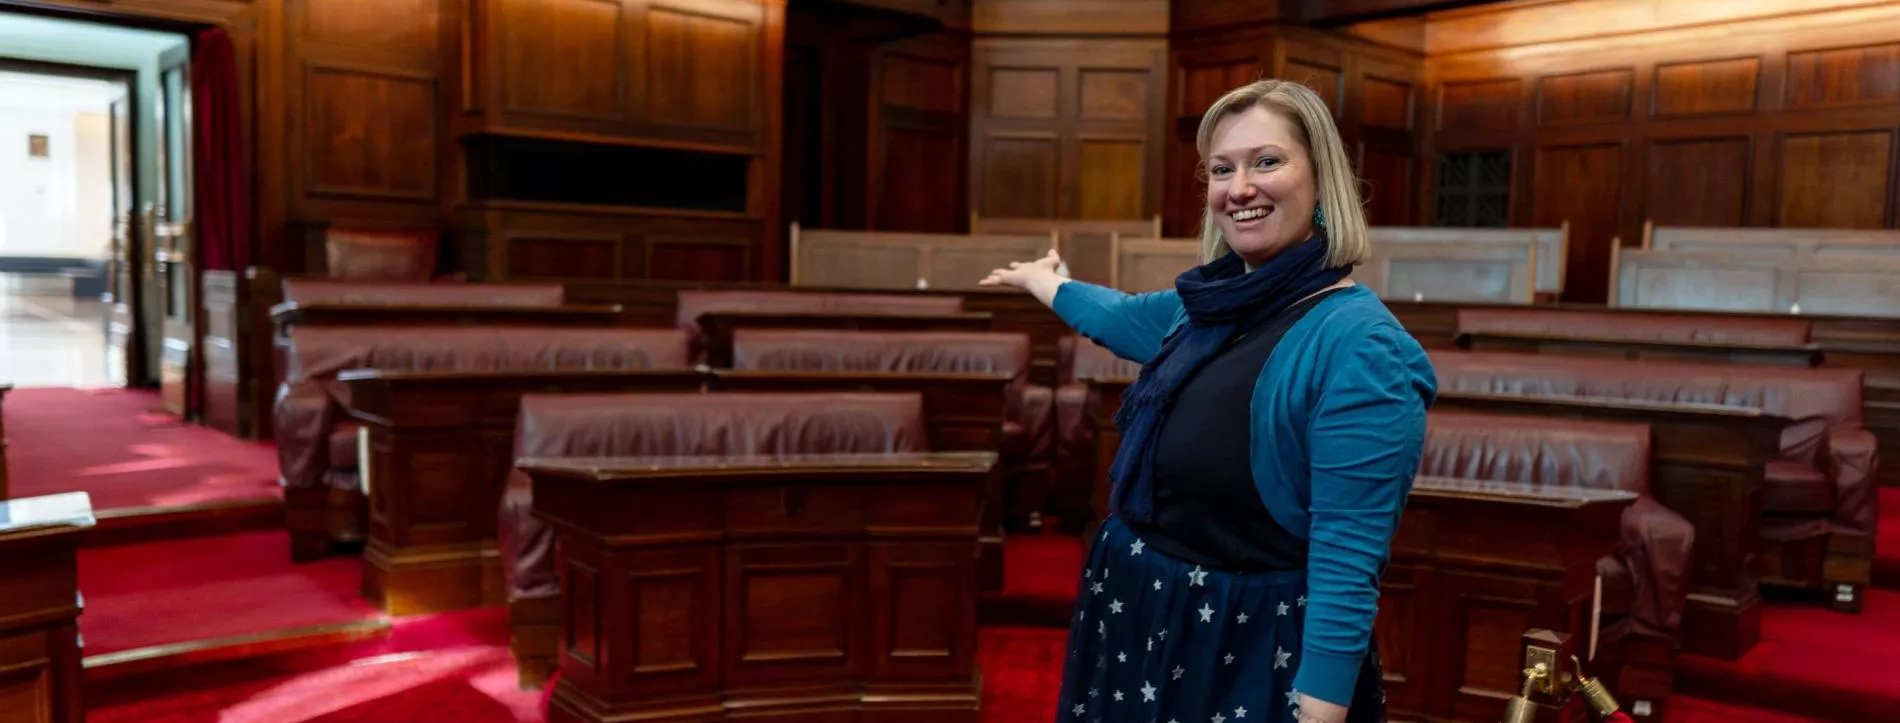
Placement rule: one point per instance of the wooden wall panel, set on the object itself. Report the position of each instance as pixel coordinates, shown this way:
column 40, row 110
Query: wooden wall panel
column 1372, row 89
column 558, row 61
column 1723, row 114
column 369, row 133
column 1067, row 128
column 921, row 125
column 1697, row 182
column 1706, row 87
column 1835, row 180
column 1580, row 185
column 697, row 62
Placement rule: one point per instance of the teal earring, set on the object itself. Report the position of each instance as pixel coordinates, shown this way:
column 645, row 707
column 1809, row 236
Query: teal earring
column 1319, row 217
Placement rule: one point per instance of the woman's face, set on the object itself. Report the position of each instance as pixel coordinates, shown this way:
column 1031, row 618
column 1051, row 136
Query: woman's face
column 1261, row 184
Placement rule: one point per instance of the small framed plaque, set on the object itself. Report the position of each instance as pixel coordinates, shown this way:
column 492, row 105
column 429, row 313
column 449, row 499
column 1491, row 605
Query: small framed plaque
column 37, row 146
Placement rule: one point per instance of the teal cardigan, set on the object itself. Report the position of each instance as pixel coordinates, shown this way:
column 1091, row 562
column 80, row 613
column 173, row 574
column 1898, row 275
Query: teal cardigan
column 1338, row 429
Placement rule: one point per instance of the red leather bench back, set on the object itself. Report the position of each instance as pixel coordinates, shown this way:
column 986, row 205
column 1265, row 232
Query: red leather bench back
column 318, row 352
column 375, row 293
column 720, row 423
column 881, row 351
column 1544, row 451
column 692, row 303
column 1636, row 327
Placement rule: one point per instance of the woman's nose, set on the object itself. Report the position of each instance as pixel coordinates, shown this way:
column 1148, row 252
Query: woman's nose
column 1240, row 188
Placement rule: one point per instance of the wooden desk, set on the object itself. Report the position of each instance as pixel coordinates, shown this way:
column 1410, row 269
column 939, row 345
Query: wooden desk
column 1707, row 463
column 291, row 313
column 438, row 450
column 1641, row 349
column 964, row 413
column 6, row 489
column 821, row 588
column 716, row 327
column 1473, row 565
column 40, row 606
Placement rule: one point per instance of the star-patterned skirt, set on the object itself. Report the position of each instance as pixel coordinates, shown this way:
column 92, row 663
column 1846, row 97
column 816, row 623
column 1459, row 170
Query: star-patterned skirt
column 1157, row 639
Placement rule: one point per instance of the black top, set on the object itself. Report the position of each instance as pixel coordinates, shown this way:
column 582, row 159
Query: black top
column 1207, row 509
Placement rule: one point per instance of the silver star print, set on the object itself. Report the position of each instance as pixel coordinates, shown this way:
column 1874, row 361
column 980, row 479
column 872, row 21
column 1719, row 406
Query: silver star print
column 1164, row 633
column 1078, row 709
column 1229, row 659
column 1218, row 718
column 1148, row 691
column 1093, row 692
column 1086, row 573
column 1241, row 618
column 1118, row 696
column 1115, row 607
column 1105, row 572
column 1157, row 584
column 1197, row 576
column 1121, row 657
column 1282, row 608
column 1179, row 671
column 1135, row 549
column 1207, row 613
column 1293, row 697
column 1279, row 657
column 1095, row 588
column 1302, row 601
column 1151, row 644
column 1240, row 712
column 1101, row 626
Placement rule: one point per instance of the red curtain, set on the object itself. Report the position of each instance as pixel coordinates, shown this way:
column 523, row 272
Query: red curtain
column 221, row 192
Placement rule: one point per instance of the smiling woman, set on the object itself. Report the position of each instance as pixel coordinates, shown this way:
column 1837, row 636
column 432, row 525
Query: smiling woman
column 1267, row 446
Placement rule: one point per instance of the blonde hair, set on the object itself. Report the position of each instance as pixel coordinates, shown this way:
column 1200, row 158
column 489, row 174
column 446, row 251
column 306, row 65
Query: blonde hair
column 1338, row 200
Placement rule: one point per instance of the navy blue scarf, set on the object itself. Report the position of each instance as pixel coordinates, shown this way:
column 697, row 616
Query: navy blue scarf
column 1221, row 298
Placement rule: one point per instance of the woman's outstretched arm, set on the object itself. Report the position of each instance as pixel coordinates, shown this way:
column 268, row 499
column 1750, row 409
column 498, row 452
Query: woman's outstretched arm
column 1130, row 325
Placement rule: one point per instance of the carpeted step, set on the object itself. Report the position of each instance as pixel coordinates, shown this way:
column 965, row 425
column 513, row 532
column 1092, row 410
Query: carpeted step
column 1812, row 661
column 238, row 592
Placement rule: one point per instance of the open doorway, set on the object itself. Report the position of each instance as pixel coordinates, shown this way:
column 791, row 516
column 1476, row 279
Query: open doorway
column 56, row 211
column 94, row 205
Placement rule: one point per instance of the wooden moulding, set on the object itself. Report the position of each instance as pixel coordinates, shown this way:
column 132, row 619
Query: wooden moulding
column 817, row 588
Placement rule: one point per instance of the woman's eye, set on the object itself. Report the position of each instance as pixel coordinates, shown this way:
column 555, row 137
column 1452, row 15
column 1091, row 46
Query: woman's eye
column 1266, row 163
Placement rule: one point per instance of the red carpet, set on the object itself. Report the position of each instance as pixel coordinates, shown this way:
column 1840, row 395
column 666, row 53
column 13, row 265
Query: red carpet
column 213, row 587
column 120, row 446
column 1040, row 574
column 1843, row 667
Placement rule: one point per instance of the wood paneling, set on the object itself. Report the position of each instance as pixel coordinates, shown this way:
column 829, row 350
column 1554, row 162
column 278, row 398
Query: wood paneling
column 1579, row 185
column 369, row 133
column 1697, row 182
column 1070, row 18
column 1724, row 114
column 697, row 63
column 1595, row 97
column 1373, row 91
column 1067, row 128
column 1706, row 87
column 1835, row 180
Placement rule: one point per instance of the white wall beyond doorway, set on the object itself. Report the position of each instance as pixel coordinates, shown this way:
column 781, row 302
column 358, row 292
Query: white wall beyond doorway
column 55, row 167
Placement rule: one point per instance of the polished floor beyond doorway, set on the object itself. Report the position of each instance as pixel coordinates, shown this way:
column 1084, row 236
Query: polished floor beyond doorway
column 49, row 338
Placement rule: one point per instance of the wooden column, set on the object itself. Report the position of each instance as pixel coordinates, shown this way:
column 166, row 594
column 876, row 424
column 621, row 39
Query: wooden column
column 39, row 608
column 820, row 588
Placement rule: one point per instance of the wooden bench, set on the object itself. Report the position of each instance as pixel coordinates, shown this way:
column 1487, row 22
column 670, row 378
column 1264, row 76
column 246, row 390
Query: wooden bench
column 436, row 450
column 1780, row 242
column 1744, row 281
column 317, row 444
column 698, row 588
column 1655, row 337
column 39, row 612
column 1503, row 274
column 716, row 328
column 905, row 261
column 1412, row 246
column 665, row 425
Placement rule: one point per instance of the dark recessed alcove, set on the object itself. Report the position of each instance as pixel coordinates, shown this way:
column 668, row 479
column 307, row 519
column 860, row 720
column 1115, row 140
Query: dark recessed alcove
column 502, row 168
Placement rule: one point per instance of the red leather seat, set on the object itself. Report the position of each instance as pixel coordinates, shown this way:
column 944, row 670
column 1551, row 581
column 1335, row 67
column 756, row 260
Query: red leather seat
column 1821, row 494
column 1646, row 583
column 315, row 452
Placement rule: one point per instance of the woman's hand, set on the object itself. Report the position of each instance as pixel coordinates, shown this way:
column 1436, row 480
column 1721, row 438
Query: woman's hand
column 1037, row 277
column 1314, row 710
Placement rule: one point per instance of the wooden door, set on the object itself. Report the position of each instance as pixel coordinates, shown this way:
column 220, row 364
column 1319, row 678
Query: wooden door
column 124, row 349
column 176, row 275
